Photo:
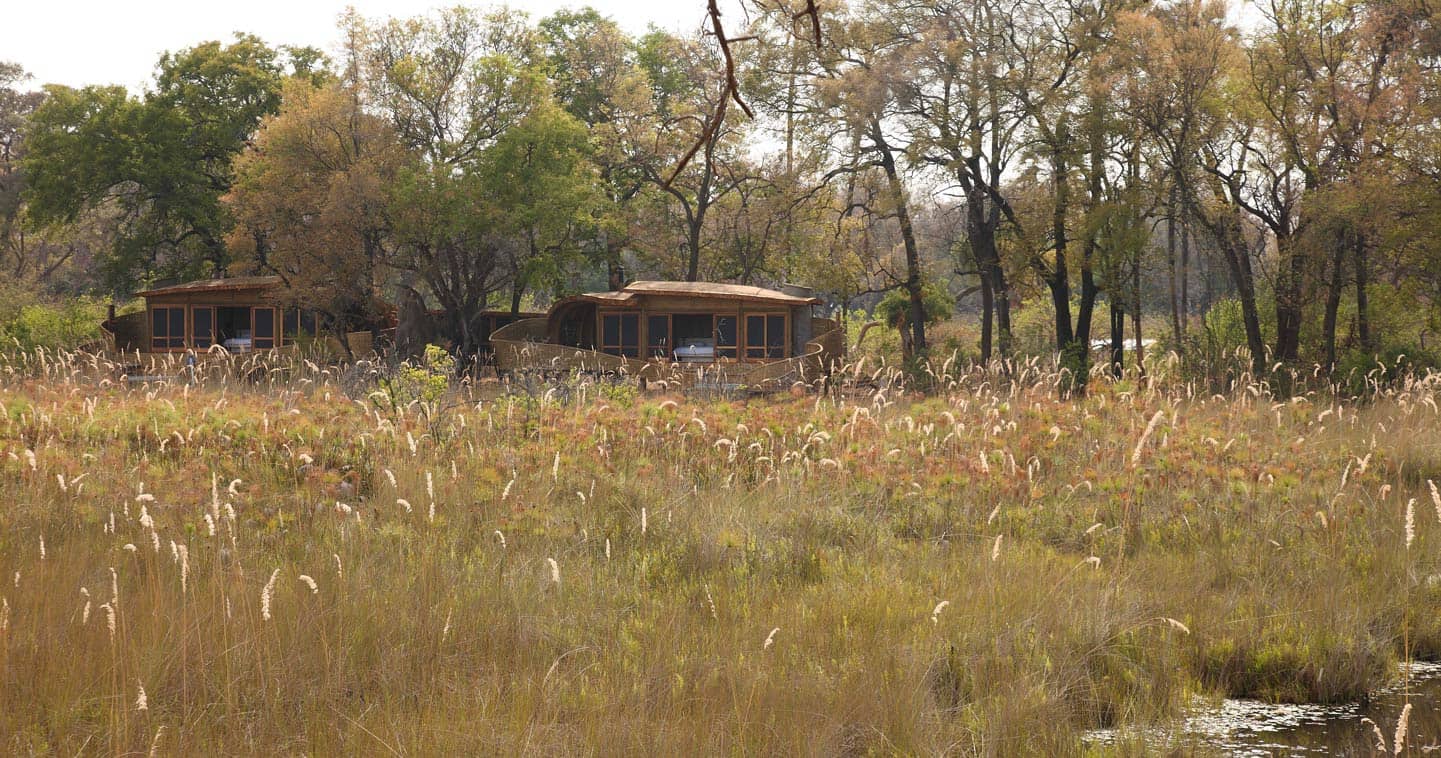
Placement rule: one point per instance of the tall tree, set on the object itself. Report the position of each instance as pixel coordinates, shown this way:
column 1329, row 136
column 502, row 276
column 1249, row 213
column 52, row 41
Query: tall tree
column 163, row 160
column 451, row 84
column 311, row 198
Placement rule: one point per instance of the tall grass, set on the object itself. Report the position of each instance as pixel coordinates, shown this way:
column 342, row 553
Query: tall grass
column 986, row 570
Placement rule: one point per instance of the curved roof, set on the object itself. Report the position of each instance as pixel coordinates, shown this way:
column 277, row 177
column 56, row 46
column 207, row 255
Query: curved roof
column 216, row 285
column 715, row 290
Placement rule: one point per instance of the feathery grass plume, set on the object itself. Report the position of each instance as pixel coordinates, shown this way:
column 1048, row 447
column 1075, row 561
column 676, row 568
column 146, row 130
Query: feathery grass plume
column 642, row 519
column 234, row 488
column 403, row 503
column 709, row 601
column 770, row 639
column 1410, row 522
column 114, row 586
column 309, row 582
column 142, row 703
column 1376, row 731
column 996, row 548
column 554, row 571
column 1178, row 626
column 339, row 567
column 936, row 612
column 555, row 468
column 109, row 617
column 1398, row 742
column 209, row 525
column 184, row 569
column 1094, row 560
column 5, row 615
column 1435, row 498
column 501, row 537
column 607, row 547
column 505, row 493
column 390, row 476
column 155, row 743
column 266, row 593
column 1141, row 443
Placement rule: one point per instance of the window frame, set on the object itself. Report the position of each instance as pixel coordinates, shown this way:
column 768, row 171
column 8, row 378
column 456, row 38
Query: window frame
column 764, row 351
column 193, row 337
column 169, row 338
column 275, row 339
column 619, row 347
column 653, row 349
column 732, row 350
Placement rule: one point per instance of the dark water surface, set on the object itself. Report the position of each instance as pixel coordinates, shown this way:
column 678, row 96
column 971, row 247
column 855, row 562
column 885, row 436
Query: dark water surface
column 1253, row 728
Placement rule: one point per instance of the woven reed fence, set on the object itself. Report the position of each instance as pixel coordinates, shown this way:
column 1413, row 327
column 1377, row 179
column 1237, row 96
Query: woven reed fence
column 521, row 346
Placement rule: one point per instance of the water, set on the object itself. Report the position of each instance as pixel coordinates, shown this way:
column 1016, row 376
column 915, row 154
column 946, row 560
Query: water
column 1253, row 729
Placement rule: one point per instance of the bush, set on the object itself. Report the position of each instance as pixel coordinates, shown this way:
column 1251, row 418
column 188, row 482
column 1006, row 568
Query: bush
column 426, row 380
column 61, row 325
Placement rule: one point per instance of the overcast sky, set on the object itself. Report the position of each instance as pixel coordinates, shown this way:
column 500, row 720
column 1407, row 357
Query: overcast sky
column 92, row 42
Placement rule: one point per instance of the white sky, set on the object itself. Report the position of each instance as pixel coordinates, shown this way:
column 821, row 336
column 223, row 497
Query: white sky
column 80, row 42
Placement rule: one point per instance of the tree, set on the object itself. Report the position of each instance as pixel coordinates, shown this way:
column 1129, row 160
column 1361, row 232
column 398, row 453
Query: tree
column 687, row 82
column 861, row 93
column 311, row 199
column 541, row 188
column 163, row 161
column 591, row 64
column 451, row 85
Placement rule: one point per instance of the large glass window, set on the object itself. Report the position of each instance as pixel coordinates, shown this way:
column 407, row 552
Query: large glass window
column 657, row 336
column 766, row 336
column 725, row 336
column 167, row 328
column 296, row 323
column 202, row 327
column 620, row 334
column 262, row 335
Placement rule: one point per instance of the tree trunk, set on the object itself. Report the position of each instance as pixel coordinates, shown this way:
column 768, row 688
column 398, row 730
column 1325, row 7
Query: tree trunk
column 988, row 308
column 1333, row 303
column 982, row 218
column 1136, row 316
column 1229, row 237
column 1289, row 280
column 1060, row 278
column 1185, row 283
column 1171, row 268
column 1118, row 336
column 516, row 291
column 1363, row 310
column 908, row 237
column 692, row 270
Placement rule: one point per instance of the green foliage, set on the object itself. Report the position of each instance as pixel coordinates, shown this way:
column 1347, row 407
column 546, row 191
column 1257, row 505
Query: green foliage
column 163, row 158
column 62, row 325
column 895, row 308
column 424, row 381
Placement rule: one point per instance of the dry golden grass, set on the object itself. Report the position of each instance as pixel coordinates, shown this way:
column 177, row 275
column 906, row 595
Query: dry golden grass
column 989, row 570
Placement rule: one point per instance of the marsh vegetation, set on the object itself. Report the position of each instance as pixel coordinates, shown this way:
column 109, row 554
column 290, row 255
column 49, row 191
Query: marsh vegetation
column 288, row 562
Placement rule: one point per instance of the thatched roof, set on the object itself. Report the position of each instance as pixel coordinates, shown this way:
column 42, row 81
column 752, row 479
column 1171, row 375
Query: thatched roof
column 709, row 290
column 215, row 285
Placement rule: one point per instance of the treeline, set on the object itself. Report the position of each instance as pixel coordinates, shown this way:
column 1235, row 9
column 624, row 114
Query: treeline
column 1274, row 189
